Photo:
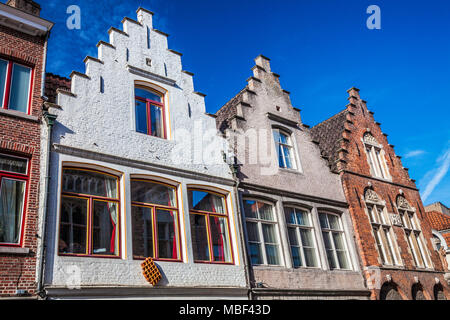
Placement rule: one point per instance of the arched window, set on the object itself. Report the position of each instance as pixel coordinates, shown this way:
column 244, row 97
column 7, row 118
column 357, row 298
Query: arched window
column 375, row 157
column 389, row 292
column 438, row 291
column 417, row 292
column 150, row 112
column 285, row 149
column 382, row 229
column 154, row 211
column 90, row 213
column 411, row 226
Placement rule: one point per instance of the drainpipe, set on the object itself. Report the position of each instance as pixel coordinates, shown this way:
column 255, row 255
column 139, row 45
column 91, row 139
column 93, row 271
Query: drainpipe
column 44, row 64
column 50, row 120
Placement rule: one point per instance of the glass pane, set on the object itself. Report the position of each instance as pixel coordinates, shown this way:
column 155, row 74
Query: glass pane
column 307, row 238
column 386, row 246
column 141, row 117
column 331, row 259
column 205, row 201
column 89, row 182
column 156, row 121
column 416, row 250
column 250, row 208
column 167, row 234
column 3, row 75
column 302, row 217
column 12, row 164
column 327, row 240
column 290, row 215
column 323, row 221
column 269, row 233
column 147, row 94
column 265, row 211
column 72, row 234
column 153, row 193
column 310, row 257
column 296, row 257
column 255, row 253
column 11, row 209
column 272, row 254
column 381, row 215
column 287, row 157
column 142, row 232
column 220, row 239
column 199, row 237
column 252, row 231
column 105, row 235
column 343, row 259
column 334, row 222
column 338, row 241
column 281, row 162
column 283, row 138
column 20, row 87
column 293, row 239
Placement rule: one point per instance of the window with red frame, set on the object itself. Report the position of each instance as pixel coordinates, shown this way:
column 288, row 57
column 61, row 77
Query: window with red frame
column 13, row 187
column 149, row 110
column 15, row 86
column 154, row 212
column 89, row 223
column 209, row 227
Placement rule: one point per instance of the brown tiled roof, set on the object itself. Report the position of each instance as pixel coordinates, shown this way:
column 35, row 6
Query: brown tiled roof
column 438, row 220
column 329, row 133
column 53, row 82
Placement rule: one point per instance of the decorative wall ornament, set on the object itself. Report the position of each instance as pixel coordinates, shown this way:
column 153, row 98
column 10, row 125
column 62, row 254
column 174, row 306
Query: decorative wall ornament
column 371, row 196
column 403, row 203
column 370, row 139
column 396, row 219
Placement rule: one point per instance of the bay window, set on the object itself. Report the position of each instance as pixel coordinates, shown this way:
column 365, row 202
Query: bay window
column 90, row 213
column 284, row 148
column 334, row 240
column 13, row 185
column 301, row 237
column 154, row 210
column 149, row 112
column 262, row 233
column 15, row 86
column 209, row 227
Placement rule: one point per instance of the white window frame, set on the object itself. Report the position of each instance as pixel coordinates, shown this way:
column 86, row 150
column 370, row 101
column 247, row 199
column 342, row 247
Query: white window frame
column 290, row 147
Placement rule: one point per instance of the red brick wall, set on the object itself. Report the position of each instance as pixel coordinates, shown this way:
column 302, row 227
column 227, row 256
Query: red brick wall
column 22, row 137
column 356, row 177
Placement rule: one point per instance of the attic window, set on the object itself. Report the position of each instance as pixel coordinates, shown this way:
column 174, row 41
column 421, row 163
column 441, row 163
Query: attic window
column 278, row 108
column 148, row 62
column 150, row 116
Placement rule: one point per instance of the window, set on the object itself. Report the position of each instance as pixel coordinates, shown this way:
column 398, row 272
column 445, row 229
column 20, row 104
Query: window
column 90, row 211
column 284, row 149
column 13, row 185
column 334, row 239
column 413, row 233
column 263, row 239
column 209, row 227
column 15, row 86
column 154, row 211
column 301, row 237
column 377, row 163
column 149, row 108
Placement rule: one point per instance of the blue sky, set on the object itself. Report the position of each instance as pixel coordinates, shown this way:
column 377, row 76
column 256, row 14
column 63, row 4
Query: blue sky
column 320, row 48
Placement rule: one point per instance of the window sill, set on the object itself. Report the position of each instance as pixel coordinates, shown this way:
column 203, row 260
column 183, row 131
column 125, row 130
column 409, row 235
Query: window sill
column 18, row 114
column 14, row 250
column 290, row 171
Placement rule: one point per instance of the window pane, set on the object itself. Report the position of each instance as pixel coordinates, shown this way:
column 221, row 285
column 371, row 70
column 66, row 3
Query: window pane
column 334, row 222
column 3, row 75
column 331, row 259
column 255, row 253
column 302, row 217
column 220, row 239
column 343, row 259
column 199, row 237
column 307, row 239
column 310, row 257
column 90, row 183
column 12, row 164
column 205, row 201
column 20, row 87
column 152, row 193
column 269, row 233
column 293, row 239
column 338, row 241
column 265, row 211
column 283, row 138
column 11, row 209
column 147, row 94
column 252, row 231
column 167, row 234
column 142, row 232
column 73, row 225
column 141, row 117
column 287, row 157
column 250, row 208
column 327, row 240
column 290, row 215
column 281, row 162
column 416, row 250
column 272, row 254
column 156, row 121
column 296, row 257
column 323, row 221
column 386, row 246
column 105, row 235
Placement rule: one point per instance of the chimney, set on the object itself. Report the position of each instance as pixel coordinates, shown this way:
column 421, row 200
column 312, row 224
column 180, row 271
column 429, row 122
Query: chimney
column 28, row 6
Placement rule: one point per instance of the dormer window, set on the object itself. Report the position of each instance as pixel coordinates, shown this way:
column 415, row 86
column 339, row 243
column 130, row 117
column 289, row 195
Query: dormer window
column 150, row 118
column 283, row 144
column 375, row 157
column 15, row 86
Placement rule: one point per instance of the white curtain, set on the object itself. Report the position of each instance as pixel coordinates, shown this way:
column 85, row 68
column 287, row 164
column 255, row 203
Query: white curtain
column 217, row 203
column 111, row 192
column 11, row 206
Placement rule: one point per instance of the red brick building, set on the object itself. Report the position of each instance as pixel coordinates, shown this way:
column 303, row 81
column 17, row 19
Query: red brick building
column 23, row 43
column 392, row 233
